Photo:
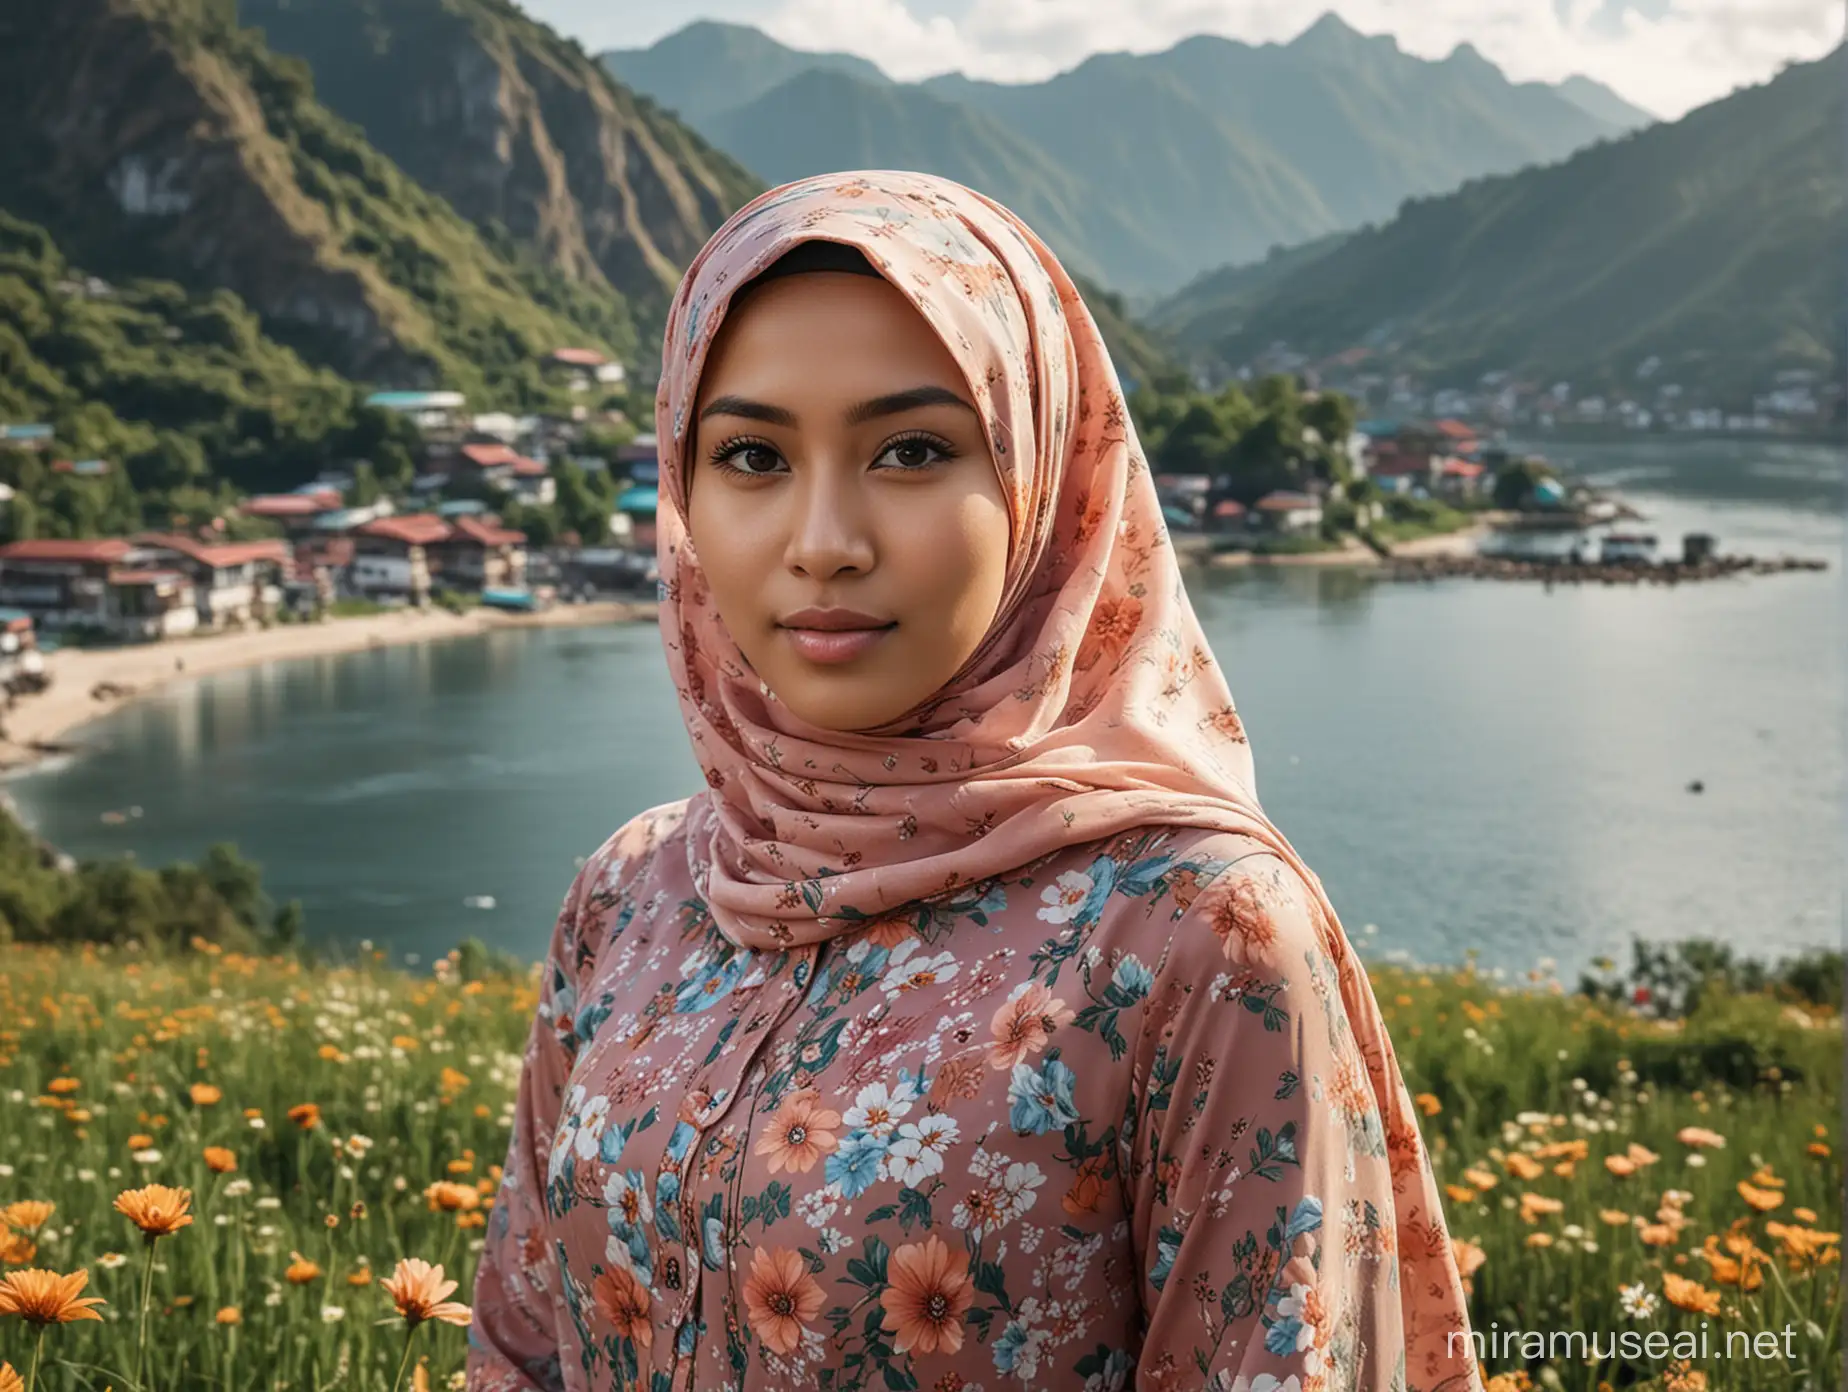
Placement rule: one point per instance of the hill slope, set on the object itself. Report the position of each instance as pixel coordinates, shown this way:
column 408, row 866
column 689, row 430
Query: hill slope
column 1210, row 152
column 1711, row 244
column 154, row 138
column 519, row 130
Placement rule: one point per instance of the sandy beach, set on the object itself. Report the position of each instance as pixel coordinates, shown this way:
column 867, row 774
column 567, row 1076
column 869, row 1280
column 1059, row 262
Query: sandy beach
column 42, row 724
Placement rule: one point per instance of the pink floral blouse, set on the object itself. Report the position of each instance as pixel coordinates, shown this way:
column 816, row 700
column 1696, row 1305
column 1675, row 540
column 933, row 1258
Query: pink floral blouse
column 1104, row 1122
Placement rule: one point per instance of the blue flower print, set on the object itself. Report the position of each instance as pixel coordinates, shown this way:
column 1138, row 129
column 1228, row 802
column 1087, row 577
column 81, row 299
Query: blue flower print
column 1042, row 1098
column 853, row 1168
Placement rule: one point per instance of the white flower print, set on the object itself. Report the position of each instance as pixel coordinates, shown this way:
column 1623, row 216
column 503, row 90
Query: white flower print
column 908, row 970
column 1295, row 1306
column 590, row 1124
column 1063, row 897
column 878, row 1108
column 918, row 1152
column 817, row 1207
column 628, row 1198
column 1019, row 1188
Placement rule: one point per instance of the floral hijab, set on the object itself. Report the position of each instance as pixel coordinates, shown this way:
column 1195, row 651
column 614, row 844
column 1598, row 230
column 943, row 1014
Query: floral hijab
column 1092, row 706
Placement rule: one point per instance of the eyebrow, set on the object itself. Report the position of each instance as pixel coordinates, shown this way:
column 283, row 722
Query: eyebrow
column 891, row 404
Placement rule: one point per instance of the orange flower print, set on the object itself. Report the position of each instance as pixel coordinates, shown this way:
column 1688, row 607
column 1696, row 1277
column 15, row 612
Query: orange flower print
column 927, row 1293
column 1225, row 723
column 800, row 1133
column 956, row 1078
column 1087, row 1189
column 1024, row 1024
column 624, row 1301
column 1242, row 921
column 1113, row 623
column 780, row 1297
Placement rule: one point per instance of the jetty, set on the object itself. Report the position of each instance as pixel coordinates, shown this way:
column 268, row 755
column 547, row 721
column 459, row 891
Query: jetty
column 1589, row 572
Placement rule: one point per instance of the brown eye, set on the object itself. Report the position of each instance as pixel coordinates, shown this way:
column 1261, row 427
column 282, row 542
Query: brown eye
column 914, row 454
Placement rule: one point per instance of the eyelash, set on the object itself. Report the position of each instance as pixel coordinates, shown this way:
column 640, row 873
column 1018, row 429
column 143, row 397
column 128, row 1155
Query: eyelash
column 724, row 452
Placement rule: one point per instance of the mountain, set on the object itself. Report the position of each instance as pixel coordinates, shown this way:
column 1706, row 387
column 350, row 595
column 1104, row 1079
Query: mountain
column 520, row 131
column 1148, row 169
column 1712, row 245
column 156, row 139
column 1604, row 104
column 712, row 67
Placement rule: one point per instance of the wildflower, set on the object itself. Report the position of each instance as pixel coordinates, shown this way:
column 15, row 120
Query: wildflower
column 1533, row 1205
column 16, row 1249
column 204, row 1094
column 63, row 1086
column 1681, row 1377
column 362, row 1276
column 1616, row 1217
column 1688, row 1295
column 1460, row 1193
column 306, row 1115
column 1469, row 1259
column 237, row 1188
column 1803, row 1215
column 140, row 1141
column 27, row 1213
column 229, row 1314
column 1523, row 1166
column 1656, row 1234
column 1481, row 1178
column 449, row 1198
column 1818, row 1149
column 1428, row 1103
column 420, row 1293
column 1700, row 1137
column 332, row 1314
column 159, row 1211
column 109, row 1261
column 358, row 1210
column 301, row 1271
column 219, row 1160
column 1539, row 1239
column 1620, row 1165
column 1764, row 1200
column 150, row 1156
column 1638, row 1301
column 43, row 1297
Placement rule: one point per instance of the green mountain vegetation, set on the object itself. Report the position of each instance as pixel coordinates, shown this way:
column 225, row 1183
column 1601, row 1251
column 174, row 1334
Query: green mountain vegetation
column 522, row 132
column 1301, row 139
column 1710, row 245
column 157, row 139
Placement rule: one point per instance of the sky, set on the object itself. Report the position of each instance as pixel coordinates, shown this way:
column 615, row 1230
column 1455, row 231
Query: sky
column 1666, row 56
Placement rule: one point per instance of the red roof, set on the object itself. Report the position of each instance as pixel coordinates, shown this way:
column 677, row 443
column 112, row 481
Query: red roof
column 1228, row 507
column 291, row 504
column 219, row 555
column 413, row 529
column 578, row 357
column 1462, row 468
column 1455, row 430
column 485, row 532
column 147, row 577
column 109, row 550
column 1284, row 501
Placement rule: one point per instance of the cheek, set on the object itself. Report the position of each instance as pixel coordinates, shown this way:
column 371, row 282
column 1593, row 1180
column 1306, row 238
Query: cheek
column 730, row 554
column 956, row 563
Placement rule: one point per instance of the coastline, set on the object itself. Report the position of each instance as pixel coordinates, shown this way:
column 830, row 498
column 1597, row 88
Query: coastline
column 39, row 726
column 1356, row 554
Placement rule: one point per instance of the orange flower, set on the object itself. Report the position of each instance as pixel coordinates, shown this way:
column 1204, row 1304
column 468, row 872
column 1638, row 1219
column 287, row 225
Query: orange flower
column 1469, row 1258
column 1533, row 1205
column 204, row 1094
column 16, row 1249
column 159, row 1211
column 306, row 1115
column 1641, row 1155
column 450, row 1197
column 1539, row 1239
column 10, row 1380
column 1818, row 1149
column 1523, row 1166
column 1460, row 1193
column 61, row 1086
column 1428, row 1103
column 44, row 1297
column 1764, row 1200
column 219, row 1160
column 1688, row 1295
column 927, row 1293
column 1023, row 1025
column 301, row 1271
column 420, row 1293
column 780, row 1297
column 1656, row 1234
column 1700, row 1138
column 140, row 1141
column 799, row 1133
column 1481, row 1178
column 27, row 1213
column 1620, row 1165
column 229, row 1314
column 1616, row 1217
column 624, row 1301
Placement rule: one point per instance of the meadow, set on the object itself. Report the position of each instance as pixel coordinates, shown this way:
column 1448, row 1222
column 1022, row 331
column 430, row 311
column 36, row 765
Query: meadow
column 255, row 1162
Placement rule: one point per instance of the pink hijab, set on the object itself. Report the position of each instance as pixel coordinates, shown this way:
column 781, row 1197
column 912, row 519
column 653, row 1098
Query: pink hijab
column 1093, row 705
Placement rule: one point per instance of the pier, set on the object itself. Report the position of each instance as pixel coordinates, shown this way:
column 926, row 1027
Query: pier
column 1579, row 572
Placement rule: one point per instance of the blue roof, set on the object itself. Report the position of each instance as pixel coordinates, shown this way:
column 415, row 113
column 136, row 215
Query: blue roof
column 1378, row 428
column 8, row 616
column 638, row 499
column 461, row 507
column 25, row 432
column 412, row 399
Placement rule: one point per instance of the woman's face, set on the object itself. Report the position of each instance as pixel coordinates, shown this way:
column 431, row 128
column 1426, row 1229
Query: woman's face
column 843, row 501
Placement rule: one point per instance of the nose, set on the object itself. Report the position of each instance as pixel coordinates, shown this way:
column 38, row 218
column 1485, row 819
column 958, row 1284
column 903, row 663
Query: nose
column 831, row 532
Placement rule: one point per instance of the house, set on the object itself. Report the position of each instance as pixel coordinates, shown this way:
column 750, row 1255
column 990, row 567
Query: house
column 82, row 468
column 1227, row 515
column 391, row 560
column 61, row 584
column 641, row 450
column 1284, row 511
column 297, row 513
column 146, row 604
column 438, row 414
column 25, row 437
column 312, row 583
column 583, row 368
column 236, row 582
column 634, row 519
column 1627, row 546
column 19, row 654
column 478, row 554
column 1460, row 478
column 500, row 466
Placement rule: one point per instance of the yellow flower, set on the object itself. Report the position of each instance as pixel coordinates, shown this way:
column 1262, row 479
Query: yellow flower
column 1818, row 1149
column 43, row 1297
column 420, row 1293
column 159, row 1211
column 1688, row 1295
column 1641, row 1155
column 27, row 1213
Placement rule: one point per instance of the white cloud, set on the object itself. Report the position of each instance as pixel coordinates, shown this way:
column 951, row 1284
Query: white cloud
column 1666, row 57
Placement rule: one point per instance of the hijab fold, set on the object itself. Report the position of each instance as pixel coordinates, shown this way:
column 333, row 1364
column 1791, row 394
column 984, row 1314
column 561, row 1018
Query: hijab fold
column 1093, row 705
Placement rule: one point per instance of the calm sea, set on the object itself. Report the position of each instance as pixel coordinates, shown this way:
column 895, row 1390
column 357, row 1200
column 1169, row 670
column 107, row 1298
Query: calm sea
column 1466, row 764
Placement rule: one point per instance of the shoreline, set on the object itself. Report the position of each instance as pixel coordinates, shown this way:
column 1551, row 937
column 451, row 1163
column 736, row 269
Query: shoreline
column 1356, row 554
column 39, row 727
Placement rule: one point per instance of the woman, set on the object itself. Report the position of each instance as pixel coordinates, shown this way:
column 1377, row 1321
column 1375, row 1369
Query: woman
column 973, row 1025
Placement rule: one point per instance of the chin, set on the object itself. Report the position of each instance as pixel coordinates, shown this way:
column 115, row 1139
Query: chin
column 844, row 711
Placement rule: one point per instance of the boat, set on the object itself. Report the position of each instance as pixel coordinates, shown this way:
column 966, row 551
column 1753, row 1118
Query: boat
column 1626, row 546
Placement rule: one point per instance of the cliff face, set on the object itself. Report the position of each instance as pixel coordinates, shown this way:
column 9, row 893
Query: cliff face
column 156, row 138
column 519, row 129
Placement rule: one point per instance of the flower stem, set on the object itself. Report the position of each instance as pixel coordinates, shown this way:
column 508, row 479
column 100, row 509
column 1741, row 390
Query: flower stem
column 38, row 1348
column 404, row 1359
column 141, row 1341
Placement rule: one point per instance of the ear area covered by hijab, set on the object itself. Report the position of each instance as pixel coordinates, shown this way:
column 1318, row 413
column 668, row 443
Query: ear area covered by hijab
column 1093, row 706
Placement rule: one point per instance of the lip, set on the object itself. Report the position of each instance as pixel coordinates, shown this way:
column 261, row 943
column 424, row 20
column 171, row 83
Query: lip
column 833, row 636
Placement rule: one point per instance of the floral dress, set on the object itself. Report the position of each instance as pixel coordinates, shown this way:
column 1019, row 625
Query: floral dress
column 1106, row 1122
